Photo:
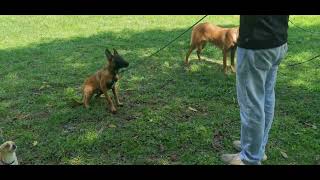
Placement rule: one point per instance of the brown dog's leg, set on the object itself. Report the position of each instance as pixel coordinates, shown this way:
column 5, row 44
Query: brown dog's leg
column 113, row 109
column 199, row 52
column 225, row 61
column 105, row 92
column 233, row 51
column 188, row 54
column 200, row 47
column 87, row 94
column 115, row 93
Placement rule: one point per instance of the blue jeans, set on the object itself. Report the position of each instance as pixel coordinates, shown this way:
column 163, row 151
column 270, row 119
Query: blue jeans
column 256, row 79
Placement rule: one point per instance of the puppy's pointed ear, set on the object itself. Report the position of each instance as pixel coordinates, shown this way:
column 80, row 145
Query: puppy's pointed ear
column 4, row 146
column 115, row 52
column 7, row 146
column 108, row 54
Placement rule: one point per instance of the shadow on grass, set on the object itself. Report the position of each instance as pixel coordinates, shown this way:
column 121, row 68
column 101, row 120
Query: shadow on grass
column 155, row 123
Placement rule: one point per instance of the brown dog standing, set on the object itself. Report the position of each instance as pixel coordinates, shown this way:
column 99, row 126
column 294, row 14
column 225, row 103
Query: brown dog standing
column 104, row 80
column 223, row 38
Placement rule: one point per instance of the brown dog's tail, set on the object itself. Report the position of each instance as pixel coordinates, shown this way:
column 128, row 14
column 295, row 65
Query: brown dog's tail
column 193, row 33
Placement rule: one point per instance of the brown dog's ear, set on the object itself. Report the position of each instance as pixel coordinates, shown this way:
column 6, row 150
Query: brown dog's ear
column 108, row 54
column 115, row 52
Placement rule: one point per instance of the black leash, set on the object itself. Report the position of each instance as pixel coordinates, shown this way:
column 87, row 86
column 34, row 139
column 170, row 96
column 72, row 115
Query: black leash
column 177, row 37
column 304, row 61
column 309, row 60
column 299, row 63
column 313, row 32
column 4, row 163
column 168, row 44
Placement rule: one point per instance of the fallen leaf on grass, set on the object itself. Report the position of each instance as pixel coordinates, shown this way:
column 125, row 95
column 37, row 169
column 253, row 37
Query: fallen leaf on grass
column 309, row 125
column 101, row 130
column 129, row 89
column 44, row 86
column 284, row 155
column 21, row 116
column 35, row 143
column 192, row 109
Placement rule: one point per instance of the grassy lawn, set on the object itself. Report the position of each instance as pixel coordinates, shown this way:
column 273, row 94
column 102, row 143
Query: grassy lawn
column 44, row 60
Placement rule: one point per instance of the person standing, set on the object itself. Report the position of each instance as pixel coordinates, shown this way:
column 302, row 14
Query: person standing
column 262, row 44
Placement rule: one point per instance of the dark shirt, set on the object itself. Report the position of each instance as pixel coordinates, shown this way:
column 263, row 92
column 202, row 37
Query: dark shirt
column 263, row 31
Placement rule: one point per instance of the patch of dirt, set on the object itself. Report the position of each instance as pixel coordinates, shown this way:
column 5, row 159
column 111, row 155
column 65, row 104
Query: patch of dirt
column 174, row 157
column 131, row 117
column 22, row 116
column 151, row 160
column 217, row 141
column 185, row 116
column 36, row 91
column 167, row 82
column 187, row 113
column 143, row 103
column 307, row 124
column 42, row 114
column 162, row 148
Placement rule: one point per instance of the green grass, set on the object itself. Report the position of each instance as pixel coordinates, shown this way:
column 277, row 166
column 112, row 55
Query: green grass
column 44, row 60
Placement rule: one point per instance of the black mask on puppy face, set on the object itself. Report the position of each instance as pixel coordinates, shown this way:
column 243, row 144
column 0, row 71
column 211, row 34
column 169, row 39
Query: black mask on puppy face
column 118, row 61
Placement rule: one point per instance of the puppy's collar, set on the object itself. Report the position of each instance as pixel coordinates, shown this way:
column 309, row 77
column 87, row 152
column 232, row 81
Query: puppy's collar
column 4, row 163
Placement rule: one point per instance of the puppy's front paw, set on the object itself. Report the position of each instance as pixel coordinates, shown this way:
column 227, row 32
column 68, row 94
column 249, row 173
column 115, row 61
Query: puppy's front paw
column 225, row 71
column 113, row 110
column 119, row 104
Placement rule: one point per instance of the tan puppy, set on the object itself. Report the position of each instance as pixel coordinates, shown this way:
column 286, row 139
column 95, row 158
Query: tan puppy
column 223, row 38
column 104, row 80
column 8, row 154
